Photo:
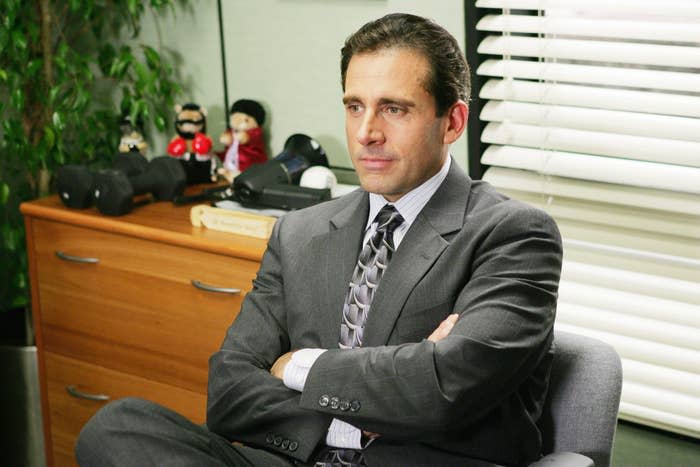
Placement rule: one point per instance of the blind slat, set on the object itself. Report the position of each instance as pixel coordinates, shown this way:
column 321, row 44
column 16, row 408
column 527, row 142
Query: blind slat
column 659, row 419
column 661, row 377
column 590, row 50
column 654, row 285
column 601, row 120
column 596, row 317
column 674, row 8
column 601, row 169
column 685, row 153
column 642, row 350
column 590, row 74
column 631, row 249
column 607, row 240
column 622, row 195
column 594, row 97
column 620, row 29
column 634, row 304
column 611, row 217
column 671, row 402
column 617, row 254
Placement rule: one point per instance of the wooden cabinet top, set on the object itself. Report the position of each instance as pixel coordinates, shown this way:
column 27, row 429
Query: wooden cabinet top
column 160, row 221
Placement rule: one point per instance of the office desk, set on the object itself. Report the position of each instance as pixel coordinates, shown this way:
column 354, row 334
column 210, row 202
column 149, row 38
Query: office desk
column 120, row 308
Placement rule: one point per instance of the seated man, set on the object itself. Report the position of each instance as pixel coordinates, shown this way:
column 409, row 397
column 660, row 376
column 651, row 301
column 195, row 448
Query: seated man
column 406, row 323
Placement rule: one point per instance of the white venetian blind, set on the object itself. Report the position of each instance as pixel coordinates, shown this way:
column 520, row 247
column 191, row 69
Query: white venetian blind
column 592, row 112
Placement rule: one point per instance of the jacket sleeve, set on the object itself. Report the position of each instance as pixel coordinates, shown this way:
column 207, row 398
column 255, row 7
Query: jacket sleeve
column 507, row 308
column 245, row 402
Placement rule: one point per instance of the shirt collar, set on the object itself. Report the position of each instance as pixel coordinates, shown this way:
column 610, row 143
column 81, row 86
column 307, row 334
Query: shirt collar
column 413, row 202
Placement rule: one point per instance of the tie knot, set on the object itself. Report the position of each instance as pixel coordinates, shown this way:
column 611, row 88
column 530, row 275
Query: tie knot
column 388, row 219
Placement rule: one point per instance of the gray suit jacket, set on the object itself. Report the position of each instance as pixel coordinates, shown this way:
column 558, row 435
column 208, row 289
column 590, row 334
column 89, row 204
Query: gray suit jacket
column 475, row 394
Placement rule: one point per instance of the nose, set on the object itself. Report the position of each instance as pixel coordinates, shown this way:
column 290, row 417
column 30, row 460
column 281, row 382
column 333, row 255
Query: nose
column 370, row 130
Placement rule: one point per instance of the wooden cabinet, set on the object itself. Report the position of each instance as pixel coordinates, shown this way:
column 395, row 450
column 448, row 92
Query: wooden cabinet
column 128, row 306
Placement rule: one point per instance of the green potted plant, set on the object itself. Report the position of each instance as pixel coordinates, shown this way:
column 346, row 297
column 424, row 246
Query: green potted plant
column 68, row 69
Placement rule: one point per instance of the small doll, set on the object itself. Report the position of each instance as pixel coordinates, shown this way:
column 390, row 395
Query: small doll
column 191, row 127
column 132, row 140
column 244, row 140
column 191, row 145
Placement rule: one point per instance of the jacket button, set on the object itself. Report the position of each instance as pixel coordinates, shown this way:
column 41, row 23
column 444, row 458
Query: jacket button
column 269, row 438
column 335, row 402
column 277, row 441
column 344, row 405
column 324, row 400
column 285, row 444
column 354, row 406
column 293, row 446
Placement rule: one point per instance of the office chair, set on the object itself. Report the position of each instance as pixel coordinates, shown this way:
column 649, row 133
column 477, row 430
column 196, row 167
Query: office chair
column 580, row 414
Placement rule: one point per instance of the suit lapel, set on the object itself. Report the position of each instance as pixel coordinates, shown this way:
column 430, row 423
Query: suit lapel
column 338, row 251
column 420, row 248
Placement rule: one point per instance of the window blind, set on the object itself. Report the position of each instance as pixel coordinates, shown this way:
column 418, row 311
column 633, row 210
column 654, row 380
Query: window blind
column 591, row 111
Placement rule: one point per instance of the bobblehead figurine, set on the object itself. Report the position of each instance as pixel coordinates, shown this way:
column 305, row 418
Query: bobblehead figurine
column 132, row 140
column 244, row 140
column 191, row 145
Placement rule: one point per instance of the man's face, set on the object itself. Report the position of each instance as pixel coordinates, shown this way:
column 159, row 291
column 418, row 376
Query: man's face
column 395, row 140
column 240, row 124
column 242, row 121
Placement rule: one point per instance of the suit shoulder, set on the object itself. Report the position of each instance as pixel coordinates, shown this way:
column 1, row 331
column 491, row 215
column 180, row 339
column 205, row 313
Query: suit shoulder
column 487, row 202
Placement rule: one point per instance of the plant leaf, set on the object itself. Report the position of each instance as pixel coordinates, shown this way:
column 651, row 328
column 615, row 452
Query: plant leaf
column 49, row 137
column 4, row 192
column 57, row 121
column 17, row 99
column 19, row 41
column 152, row 57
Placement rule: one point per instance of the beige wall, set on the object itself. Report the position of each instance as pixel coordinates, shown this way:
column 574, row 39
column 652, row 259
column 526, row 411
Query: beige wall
column 285, row 54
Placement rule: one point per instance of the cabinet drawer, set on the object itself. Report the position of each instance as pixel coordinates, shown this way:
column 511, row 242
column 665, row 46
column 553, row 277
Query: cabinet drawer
column 135, row 310
column 132, row 254
column 68, row 413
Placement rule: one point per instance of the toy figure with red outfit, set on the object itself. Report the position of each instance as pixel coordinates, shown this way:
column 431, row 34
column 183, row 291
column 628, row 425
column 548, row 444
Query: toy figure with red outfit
column 191, row 145
column 244, row 140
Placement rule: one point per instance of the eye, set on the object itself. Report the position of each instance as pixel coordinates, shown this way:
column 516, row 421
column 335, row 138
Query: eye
column 393, row 110
column 353, row 108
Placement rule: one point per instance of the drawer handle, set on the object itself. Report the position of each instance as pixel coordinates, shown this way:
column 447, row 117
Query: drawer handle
column 84, row 395
column 211, row 288
column 76, row 259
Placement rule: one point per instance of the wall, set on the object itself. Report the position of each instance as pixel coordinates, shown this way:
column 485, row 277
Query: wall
column 285, row 54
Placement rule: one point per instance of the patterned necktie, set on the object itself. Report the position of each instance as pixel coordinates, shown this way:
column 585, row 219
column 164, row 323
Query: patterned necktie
column 371, row 264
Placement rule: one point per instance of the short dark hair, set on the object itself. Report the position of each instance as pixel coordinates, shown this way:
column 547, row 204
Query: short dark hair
column 448, row 79
column 250, row 107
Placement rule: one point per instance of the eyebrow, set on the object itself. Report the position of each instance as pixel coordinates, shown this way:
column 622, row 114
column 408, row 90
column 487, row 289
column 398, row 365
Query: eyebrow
column 382, row 101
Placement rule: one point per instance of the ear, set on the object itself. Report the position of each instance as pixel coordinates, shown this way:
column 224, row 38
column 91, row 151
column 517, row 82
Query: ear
column 203, row 111
column 178, row 108
column 457, row 116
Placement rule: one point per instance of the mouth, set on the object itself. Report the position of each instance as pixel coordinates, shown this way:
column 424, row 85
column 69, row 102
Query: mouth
column 375, row 162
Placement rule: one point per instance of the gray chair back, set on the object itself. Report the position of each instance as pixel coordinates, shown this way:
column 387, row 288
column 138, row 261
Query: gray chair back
column 580, row 414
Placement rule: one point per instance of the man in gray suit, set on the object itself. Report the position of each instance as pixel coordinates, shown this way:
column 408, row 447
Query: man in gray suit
column 434, row 348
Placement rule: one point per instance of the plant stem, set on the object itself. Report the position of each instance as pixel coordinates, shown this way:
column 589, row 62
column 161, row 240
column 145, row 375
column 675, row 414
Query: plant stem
column 43, row 179
column 45, row 11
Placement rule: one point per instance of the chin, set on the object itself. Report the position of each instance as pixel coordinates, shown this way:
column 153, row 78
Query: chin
column 373, row 183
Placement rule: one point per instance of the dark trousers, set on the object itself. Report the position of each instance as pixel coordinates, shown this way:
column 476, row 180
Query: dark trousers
column 136, row 432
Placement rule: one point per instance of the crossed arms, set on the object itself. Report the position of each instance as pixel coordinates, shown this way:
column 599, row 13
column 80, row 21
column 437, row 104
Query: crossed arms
column 504, row 297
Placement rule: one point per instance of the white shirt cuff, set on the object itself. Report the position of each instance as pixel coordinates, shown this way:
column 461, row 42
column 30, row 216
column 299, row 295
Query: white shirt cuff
column 343, row 435
column 298, row 368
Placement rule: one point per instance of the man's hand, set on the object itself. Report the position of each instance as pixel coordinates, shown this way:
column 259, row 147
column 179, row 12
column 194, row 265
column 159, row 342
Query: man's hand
column 444, row 328
column 278, row 367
